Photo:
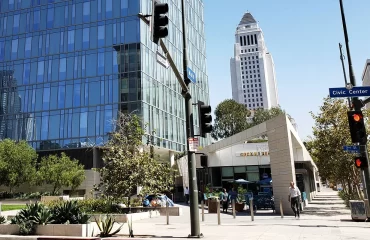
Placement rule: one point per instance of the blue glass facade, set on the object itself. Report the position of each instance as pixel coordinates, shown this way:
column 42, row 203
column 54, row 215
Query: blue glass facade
column 68, row 67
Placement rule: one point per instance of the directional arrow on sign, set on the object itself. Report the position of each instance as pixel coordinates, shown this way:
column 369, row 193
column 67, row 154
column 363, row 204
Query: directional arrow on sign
column 162, row 60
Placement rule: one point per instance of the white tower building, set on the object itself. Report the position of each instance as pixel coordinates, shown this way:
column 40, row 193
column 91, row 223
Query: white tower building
column 252, row 68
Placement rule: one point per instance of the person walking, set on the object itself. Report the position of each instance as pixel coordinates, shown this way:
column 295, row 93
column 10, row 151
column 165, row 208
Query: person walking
column 294, row 198
column 224, row 200
column 186, row 192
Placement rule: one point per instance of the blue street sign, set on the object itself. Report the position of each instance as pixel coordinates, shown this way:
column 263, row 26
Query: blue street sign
column 191, row 75
column 352, row 148
column 354, row 92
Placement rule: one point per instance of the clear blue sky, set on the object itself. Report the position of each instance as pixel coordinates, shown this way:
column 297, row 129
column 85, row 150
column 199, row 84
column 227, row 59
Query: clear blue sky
column 302, row 37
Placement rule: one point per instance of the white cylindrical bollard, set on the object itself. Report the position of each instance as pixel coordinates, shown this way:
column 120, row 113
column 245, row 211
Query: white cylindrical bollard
column 251, row 209
column 218, row 213
column 167, row 213
column 202, row 210
column 281, row 209
column 233, row 205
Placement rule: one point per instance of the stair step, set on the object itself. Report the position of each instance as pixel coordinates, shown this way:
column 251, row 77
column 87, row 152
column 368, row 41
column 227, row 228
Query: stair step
column 325, row 203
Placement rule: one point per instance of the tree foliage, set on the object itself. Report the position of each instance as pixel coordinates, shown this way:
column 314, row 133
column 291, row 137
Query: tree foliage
column 262, row 115
column 231, row 118
column 17, row 163
column 128, row 166
column 331, row 133
column 60, row 171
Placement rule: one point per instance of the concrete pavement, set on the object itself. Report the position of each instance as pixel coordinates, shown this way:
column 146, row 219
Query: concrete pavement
column 328, row 220
column 325, row 218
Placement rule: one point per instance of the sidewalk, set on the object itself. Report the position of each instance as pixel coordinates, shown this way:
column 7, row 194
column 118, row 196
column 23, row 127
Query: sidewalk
column 325, row 221
column 325, row 218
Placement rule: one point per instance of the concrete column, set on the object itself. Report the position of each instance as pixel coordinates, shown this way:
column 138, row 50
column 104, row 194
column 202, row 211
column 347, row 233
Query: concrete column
column 315, row 180
column 281, row 161
column 307, row 186
column 172, row 158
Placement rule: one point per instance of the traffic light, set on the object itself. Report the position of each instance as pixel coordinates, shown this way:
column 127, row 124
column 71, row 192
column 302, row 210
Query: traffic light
column 361, row 162
column 205, row 119
column 357, row 127
column 159, row 21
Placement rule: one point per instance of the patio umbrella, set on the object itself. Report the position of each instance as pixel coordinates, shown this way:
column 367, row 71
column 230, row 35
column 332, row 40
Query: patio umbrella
column 242, row 181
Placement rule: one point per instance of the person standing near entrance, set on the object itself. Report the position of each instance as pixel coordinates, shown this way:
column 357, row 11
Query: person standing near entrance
column 186, row 192
column 294, row 198
column 224, row 197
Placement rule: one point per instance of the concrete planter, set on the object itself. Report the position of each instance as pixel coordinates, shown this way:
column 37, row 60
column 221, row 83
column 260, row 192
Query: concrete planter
column 239, row 207
column 9, row 229
column 77, row 230
column 124, row 218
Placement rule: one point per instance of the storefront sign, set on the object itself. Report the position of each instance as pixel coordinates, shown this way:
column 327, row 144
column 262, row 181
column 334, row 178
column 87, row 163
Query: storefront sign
column 252, row 154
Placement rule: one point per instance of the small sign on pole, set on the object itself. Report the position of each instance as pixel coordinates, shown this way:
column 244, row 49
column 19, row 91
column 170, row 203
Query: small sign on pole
column 352, row 148
column 193, row 144
column 191, row 75
column 352, row 92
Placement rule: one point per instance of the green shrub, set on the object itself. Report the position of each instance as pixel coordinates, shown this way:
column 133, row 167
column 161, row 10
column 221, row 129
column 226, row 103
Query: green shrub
column 2, row 220
column 346, row 197
column 106, row 225
column 69, row 213
column 28, row 218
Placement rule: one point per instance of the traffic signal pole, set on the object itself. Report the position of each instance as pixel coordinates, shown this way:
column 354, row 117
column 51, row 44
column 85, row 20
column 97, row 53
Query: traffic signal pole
column 355, row 101
column 184, row 82
column 193, row 188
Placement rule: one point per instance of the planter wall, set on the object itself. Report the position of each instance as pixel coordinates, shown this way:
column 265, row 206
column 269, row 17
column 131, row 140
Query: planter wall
column 123, row 218
column 76, row 230
column 212, row 206
column 239, row 207
column 9, row 229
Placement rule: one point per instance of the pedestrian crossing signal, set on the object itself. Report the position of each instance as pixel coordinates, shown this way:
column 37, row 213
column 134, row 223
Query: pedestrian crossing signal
column 361, row 162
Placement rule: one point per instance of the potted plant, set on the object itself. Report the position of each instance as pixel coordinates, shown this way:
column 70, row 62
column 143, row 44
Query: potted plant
column 240, row 199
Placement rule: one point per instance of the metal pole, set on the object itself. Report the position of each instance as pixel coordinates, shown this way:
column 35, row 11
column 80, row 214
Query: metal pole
column 233, row 204
column 351, row 72
column 167, row 214
column 218, row 213
column 364, row 188
column 366, row 175
column 193, row 188
column 353, row 82
column 344, row 71
column 251, row 209
column 202, row 210
column 281, row 209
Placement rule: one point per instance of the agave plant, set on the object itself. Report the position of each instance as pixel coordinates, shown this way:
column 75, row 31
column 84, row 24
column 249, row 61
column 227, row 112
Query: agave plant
column 105, row 226
column 29, row 214
column 2, row 220
column 27, row 218
column 69, row 213
column 43, row 217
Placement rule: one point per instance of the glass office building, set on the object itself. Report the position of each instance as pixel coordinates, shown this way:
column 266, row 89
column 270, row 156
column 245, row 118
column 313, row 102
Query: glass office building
column 68, row 67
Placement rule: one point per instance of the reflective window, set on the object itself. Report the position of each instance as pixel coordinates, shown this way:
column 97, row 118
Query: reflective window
column 40, row 71
column 86, row 11
column 16, row 24
column 86, row 37
column 62, row 69
column 108, row 8
column 71, row 40
column 101, row 35
column 50, row 18
column 14, row 49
